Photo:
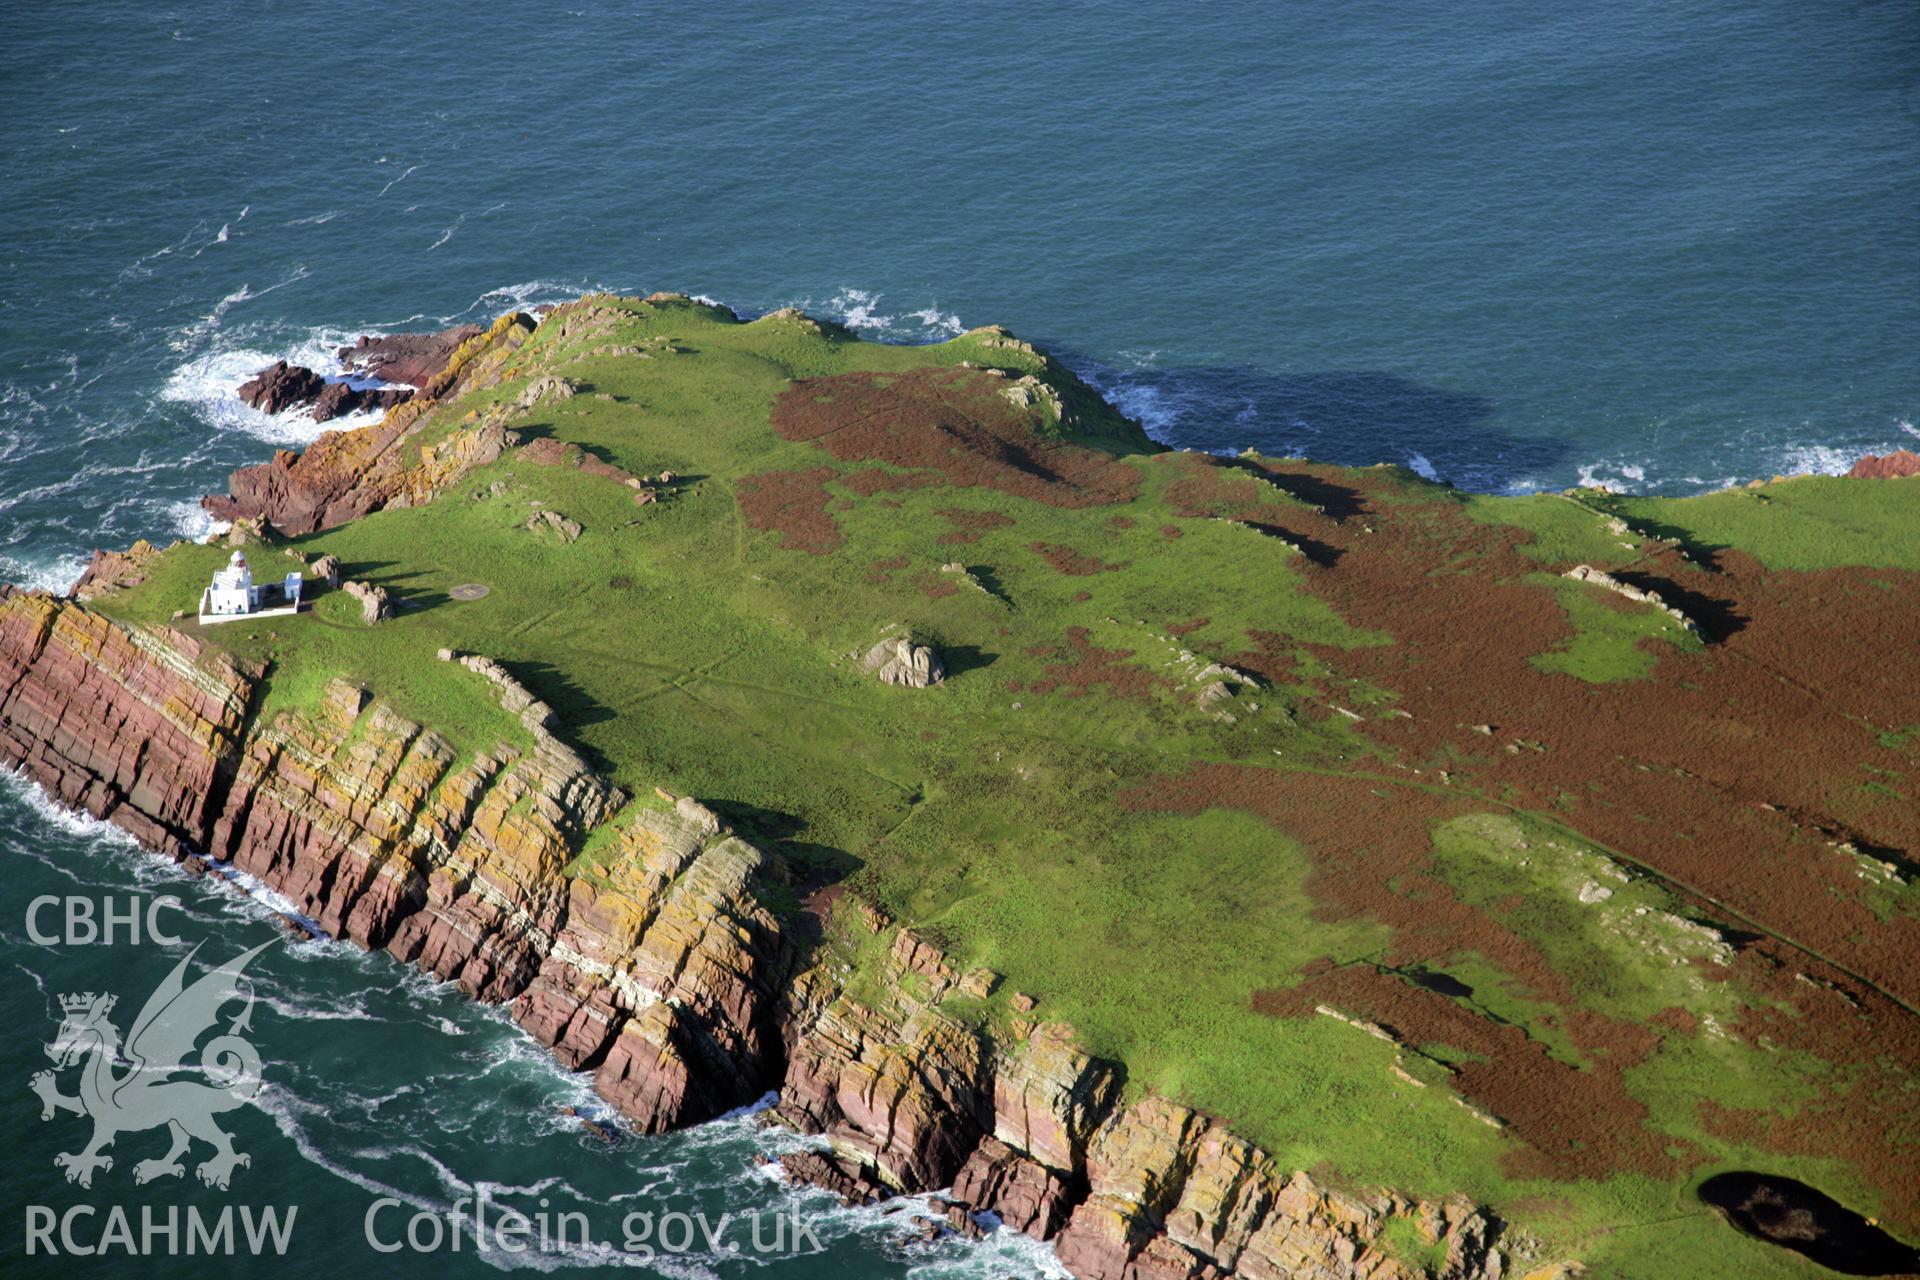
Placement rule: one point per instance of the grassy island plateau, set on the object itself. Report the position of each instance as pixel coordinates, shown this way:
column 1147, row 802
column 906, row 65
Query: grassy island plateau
column 1215, row 865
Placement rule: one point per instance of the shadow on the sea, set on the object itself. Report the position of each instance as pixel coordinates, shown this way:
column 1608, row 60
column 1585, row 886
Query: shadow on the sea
column 1353, row 417
column 1796, row 1216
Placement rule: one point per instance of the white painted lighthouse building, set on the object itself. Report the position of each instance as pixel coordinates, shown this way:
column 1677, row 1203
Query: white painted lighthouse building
column 232, row 589
column 232, row 594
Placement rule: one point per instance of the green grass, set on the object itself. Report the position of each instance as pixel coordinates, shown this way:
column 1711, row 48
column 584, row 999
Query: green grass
column 1811, row 522
column 1611, row 637
column 1402, row 1238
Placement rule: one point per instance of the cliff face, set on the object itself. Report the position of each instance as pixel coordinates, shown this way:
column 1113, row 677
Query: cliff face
column 128, row 725
column 656, row 966
column 1021, row 1123
column 656, row 972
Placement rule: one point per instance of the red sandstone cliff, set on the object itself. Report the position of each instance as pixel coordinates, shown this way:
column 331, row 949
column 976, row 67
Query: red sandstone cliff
column 658, row 968
column 134, row 726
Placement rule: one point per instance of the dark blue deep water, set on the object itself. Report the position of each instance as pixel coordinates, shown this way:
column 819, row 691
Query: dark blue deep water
column 1664, row 245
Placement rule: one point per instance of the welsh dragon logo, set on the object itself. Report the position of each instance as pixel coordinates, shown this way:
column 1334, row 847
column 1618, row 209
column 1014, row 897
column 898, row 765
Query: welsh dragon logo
column 144, row 1095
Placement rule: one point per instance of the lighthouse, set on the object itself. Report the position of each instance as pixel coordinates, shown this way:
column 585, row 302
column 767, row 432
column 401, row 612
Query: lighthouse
column 232, row 594
column 232, row 589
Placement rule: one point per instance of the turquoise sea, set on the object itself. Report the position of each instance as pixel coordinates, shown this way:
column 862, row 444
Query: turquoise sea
column 1665, row 246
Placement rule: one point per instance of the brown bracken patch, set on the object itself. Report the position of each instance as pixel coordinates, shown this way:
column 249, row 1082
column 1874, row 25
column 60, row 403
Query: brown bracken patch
column 970, row 526
column 794, row 505
column 1369, row 846
column 883, row 569
column 1209, row 486
column 1734, row 773
column 1085, row 667
column 1188, row 627
column 871, row 480
column 953, row 421
column 1065, row 559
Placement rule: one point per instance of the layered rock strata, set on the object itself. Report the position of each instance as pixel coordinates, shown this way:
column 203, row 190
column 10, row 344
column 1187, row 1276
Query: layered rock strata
column 410, row 358
column 632, row 938
column 913, row 1093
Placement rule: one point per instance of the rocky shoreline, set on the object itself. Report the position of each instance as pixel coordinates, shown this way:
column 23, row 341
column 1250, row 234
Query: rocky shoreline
column 657, row 967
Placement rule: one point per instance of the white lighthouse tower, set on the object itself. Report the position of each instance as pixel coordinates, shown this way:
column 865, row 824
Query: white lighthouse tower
column 232, row 589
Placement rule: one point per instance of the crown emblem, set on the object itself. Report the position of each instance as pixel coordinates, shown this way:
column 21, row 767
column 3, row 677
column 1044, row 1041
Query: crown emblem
column 83, row 1001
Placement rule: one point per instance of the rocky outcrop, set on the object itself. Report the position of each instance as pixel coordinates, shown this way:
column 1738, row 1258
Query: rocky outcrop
column 655, row 967
column 410, row 358
column 915, row 1096
column 1173, row 1195
column 555, row 524
column 898, row 660
column 375, row 606
column 547, row 390
column 115, row 570
column 1890, row 466
column 663, row 979
column 346, row 474
column 338, row 399
column 136, row 726
column 281, row 386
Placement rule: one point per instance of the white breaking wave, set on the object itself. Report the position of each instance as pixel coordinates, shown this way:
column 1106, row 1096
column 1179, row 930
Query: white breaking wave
column 194, row 334
column 859, row 309
column 1157, row 409
column 302, row 1118
column 207, row 384
column 1421, row 467
column 192, row 521
column 1816, row 459
column 524, row 296
column 53, row 574
column 402, row 178
column 1611, row 474
column 22, row 788
column 448, row 233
